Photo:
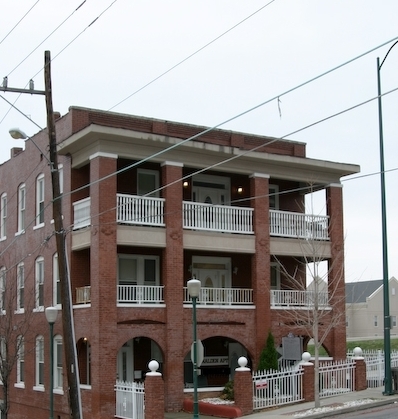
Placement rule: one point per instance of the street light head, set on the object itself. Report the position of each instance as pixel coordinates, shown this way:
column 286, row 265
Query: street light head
column 194, row 287
column 17, row 134
column 51, row 314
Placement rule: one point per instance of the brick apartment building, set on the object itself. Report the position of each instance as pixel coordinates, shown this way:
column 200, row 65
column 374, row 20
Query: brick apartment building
column 145, row 211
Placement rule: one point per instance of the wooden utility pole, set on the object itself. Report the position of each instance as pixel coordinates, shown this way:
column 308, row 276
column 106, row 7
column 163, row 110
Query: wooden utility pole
column 67, row 317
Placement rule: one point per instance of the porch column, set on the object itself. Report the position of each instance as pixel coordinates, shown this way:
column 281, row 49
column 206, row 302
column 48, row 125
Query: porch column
column 336, row 282
column 172, row 274
column 102, row 326
column 261, row 281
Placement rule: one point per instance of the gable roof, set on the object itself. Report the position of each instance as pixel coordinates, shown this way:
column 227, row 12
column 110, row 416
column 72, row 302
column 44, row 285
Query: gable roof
column 357, row 292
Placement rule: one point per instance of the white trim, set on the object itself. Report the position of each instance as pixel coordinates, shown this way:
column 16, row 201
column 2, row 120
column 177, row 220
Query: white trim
column 260, row 175
column 172, row 163
column 103, row 154
column 335, row 185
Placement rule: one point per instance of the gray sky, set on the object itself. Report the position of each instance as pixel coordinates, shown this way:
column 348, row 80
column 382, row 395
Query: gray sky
column 107, row 64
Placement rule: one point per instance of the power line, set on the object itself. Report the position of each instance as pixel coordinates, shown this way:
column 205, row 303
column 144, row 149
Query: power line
column 191, row 55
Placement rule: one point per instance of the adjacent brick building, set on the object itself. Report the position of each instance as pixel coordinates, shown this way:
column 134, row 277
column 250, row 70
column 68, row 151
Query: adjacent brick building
column 148, row 204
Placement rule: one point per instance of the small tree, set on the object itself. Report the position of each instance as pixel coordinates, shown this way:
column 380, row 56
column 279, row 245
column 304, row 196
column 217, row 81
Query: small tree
column 269, row 355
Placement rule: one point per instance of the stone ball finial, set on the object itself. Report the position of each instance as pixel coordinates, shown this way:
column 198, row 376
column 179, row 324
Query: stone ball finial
column 357, row 352
column 242, row 361
column 153, row 365
column 305, row 357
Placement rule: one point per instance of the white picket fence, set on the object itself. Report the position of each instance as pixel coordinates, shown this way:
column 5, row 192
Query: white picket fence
column 336, row 377
column 129, row 400
column 375, row 366
column 275, row 388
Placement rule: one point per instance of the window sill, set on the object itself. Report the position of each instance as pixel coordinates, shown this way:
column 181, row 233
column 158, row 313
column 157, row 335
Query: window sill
column 38, row 388
column 20, row 311
column 36, row 227
column 19, row 385
column 38, row 309
column 59, row 391
column 19, row 233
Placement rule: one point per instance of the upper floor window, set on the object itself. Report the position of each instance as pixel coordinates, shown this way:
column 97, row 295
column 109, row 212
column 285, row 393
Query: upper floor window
column 375, row 322
column 40, row 200
column 393, row 321
column 20, row 360
column 3, row 216
column 273, row 197
column 275, row 276
column 147, row 182
column 20, row 287
column 138, row 270
column 39, row 283
column 61, row 178
column 21, row 208
column 39, row 376
column 56, row 283
column 2, row 289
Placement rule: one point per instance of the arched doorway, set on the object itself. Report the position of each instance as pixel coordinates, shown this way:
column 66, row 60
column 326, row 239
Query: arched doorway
column 133, row 358
column 221, row 356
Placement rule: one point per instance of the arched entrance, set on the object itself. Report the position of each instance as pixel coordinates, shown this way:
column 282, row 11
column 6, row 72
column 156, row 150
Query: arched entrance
column 221, row 356
column 133, row 358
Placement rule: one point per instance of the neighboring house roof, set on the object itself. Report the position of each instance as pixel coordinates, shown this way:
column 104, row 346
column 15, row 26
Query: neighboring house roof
column 358, row 292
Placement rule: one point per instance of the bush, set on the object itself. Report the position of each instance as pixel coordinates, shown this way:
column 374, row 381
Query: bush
column 228, row 392
column 269, row 355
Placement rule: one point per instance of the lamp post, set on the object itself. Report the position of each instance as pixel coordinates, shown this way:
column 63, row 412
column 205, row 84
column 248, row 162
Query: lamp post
column 194, row 291
column 51, row 316
column 386, row 294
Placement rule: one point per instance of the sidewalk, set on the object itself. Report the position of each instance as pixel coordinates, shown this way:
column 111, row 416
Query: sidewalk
column 330, row 403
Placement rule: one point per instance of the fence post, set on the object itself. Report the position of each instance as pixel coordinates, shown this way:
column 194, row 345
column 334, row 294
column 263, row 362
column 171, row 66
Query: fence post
column 360, row 370
column 243, row 387
column 154, row 392
column 308, row 377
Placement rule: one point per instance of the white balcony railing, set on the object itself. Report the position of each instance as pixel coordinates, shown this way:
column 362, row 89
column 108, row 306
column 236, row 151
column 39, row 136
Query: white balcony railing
column 83, row 295
column 222, row 296
column 81, row 213
column 298, row 225
column 222, row 218
column 296, row 299
column 140, row 210
column 140, row 294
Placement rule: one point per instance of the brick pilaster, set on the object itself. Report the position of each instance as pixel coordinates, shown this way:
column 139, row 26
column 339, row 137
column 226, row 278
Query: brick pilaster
column 308, row 382
column 336, row 280
column 259, row 188
column 172, row 273
column 154, row 395
column 360, row 374
column 243, row 390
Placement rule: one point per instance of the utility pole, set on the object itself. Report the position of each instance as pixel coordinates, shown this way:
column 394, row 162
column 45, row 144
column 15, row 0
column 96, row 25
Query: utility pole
column 67, row 317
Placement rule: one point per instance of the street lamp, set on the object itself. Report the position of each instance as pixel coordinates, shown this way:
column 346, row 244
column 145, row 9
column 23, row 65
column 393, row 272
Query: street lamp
column 51, row 316
column 18, row 134
column 194, row 291
column 386, row 297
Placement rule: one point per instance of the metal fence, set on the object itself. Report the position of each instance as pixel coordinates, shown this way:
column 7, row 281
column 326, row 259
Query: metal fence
column 275, row 388
column 129, row 400
column 374, row 360
column 336, row 377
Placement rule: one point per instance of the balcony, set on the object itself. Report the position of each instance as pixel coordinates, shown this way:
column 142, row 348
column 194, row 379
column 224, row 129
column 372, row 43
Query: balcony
column 140, row 210
column 295, row 299
column 222, row 297
column 83, row 295
column 140, row 294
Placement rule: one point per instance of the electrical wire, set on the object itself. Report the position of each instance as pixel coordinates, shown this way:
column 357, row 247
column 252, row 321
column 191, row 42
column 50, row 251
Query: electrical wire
column 192, row 55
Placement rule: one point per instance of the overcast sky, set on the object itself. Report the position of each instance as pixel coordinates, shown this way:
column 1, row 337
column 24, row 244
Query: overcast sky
column 226, row 57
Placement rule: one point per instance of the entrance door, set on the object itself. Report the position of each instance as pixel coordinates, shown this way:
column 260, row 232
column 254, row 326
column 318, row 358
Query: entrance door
column 125, row 362
column 211, row 189
column 235, row 351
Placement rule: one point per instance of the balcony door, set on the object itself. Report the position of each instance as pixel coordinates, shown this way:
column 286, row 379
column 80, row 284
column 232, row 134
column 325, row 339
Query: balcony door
column 214, row 190
column 213, row 272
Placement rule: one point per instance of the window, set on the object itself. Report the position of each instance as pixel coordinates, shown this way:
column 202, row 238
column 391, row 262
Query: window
column 21, row 360
column 56, row 283
column 40, row 200
column 273, row 197
column 2, row 289
column 61, row 178
column 39, row 281
column 3, row 354
column 21, row 208
column 58, row 362
column 3, row 216
column 147, row 182
column 138, row 270
column 275, row 276
column 20, row 287
column 393, row 321
column 375, row 321
column 39, row 381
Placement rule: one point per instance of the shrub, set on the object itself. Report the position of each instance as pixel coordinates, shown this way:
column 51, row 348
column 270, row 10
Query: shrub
column 228, row 392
